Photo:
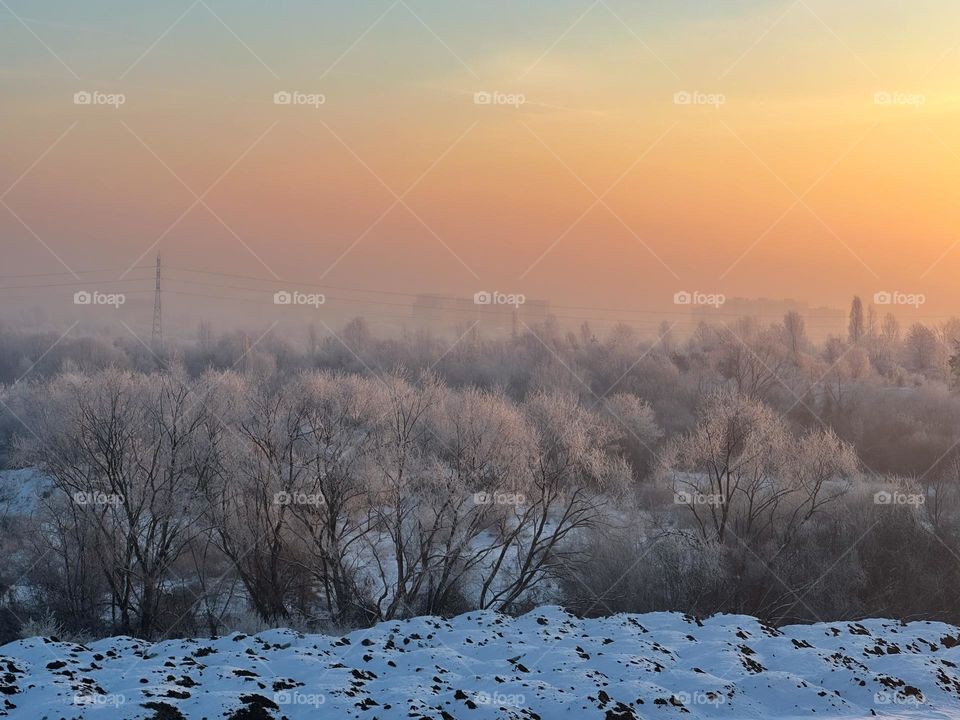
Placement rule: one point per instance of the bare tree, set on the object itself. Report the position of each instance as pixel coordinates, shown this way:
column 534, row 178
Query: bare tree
column 404, row 474
column 740, row 472
column 571, row 476
column 795, row 330
column 856, row 328
column 126, row 449
column 923, row 351
column 754, row 361
column 258, row 471
column 943, row 490
column 483, row 446
column 329, row 511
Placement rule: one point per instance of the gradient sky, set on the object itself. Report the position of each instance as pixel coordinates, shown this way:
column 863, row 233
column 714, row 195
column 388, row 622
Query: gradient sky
column 799, row 185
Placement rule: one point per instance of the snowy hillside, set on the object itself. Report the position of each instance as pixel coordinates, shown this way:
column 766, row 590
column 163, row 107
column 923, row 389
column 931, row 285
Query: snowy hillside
column 546, row 664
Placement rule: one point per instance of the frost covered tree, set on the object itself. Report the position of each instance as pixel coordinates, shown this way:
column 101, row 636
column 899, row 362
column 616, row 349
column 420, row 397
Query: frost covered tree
column 572, row 476
column 795, row 333
column 743, row 476
column 328, row 509
column 483, row 443
column 130, row 454
column 258, row 470
column 923, row 352
column 856, row 328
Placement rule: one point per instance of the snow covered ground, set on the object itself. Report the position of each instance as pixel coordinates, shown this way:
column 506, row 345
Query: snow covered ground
column 21, row 491
column 546, row 664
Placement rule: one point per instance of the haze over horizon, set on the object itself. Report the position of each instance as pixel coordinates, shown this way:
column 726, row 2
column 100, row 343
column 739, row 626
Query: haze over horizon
column 531, row 359
column 594, row 154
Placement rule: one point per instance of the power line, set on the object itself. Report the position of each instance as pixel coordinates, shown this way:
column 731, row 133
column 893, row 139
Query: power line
column 19, row 276
column 683, row 323
column 470, row 312
column 72, row 285
column 276, row 282
column 686, row 318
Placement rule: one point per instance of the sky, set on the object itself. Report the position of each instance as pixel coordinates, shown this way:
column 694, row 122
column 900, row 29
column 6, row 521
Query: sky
column 596, row 154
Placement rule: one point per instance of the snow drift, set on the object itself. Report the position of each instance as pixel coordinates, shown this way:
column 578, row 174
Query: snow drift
column 546, row 664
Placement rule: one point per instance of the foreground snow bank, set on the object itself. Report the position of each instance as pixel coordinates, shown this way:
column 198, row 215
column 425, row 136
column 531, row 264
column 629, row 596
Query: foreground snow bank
column 546, row 664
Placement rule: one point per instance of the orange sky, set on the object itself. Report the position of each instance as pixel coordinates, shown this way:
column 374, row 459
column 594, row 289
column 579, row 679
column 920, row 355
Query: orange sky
column 829, row 166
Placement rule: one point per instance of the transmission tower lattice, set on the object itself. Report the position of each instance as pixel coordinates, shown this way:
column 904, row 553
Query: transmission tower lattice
column 157, row 315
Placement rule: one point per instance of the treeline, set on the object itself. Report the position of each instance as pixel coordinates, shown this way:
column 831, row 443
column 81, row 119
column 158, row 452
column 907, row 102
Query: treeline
column 244, row 480
column 886, row 390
